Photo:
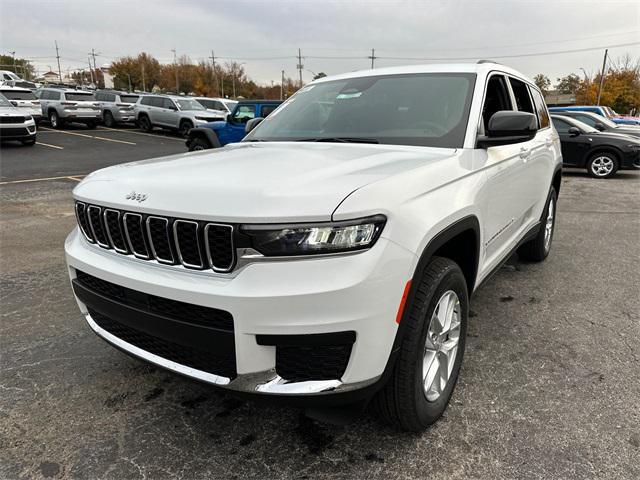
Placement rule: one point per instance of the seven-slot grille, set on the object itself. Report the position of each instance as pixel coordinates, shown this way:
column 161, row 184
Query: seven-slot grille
column 172, row 241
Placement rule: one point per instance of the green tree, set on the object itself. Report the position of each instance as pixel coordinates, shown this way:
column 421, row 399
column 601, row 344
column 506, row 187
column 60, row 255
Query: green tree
column 569, row 84
column 543, row 83
column 20, row 67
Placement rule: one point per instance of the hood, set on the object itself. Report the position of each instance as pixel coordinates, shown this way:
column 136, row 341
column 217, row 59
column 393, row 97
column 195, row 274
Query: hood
column 217, row 125
column 253, row 182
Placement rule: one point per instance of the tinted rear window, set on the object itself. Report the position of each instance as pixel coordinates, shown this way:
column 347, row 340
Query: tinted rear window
column 79, row 97
column 129, row 98
column 13, row 95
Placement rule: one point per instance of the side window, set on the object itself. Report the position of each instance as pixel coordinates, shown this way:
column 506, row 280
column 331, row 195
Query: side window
column 157, row 102
column 110, row 97
column 521, row 94
column 6, row 77
column 54, row 95
column 168, row 103
column 561, row 125
column 218, row 106
column 496, row 98
column 244, row 113
column 267, row 109
column 99, row 97
column 43, row 95
column 586, row 119
column 541, row 108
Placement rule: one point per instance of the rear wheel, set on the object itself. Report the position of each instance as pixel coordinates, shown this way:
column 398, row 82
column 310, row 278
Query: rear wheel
column 145, row 123
column 198, row 144
column 55, row 120
column 108, row 119
column 602, row 165
column 538, row 248
column 185, row 126
column 427, row 368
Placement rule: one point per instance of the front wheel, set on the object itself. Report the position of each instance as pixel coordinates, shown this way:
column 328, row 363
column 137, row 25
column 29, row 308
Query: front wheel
column 602, row 165
column 185, row 126
column 198, row 144
column 427, row 368
column 145, row 123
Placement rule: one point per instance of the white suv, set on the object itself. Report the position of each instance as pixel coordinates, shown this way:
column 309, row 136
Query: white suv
column 63, row 105
column 173, row 112
column 329, row 257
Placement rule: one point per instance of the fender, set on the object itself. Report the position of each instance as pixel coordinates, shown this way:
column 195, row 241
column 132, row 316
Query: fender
column 205, row 133
column 466, row 223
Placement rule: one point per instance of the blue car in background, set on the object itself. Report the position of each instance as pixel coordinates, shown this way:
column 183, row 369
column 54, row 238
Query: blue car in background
column 218, row 134
column 606, row 112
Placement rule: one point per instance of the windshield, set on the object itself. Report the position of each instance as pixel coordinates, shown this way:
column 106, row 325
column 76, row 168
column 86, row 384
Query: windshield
column 18, row 95
column 189, row 104
column 581, row 125
column 429, row 109
column 11, row 76
column 230, row 104
column 129, row 98
column 79, row 97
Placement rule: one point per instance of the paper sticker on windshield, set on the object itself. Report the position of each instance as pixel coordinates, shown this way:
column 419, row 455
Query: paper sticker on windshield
column 348, row 95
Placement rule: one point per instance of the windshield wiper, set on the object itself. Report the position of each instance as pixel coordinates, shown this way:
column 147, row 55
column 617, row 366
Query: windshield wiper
column 339, row 139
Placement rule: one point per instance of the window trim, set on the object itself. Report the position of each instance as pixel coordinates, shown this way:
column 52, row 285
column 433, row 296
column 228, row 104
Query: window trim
column 515, row 102
column 480, row 123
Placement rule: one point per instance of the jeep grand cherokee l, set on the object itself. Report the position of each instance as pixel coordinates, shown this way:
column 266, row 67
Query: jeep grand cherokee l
column 329, row 257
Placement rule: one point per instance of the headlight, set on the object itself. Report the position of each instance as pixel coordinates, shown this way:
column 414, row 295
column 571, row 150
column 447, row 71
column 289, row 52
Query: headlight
column 318, row 238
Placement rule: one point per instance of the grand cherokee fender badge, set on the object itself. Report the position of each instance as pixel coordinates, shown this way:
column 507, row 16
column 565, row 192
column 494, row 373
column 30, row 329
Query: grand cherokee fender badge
column 138, row 197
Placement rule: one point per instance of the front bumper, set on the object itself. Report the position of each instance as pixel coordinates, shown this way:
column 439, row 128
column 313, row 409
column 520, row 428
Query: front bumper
column 353, row 293
column 19, row 131
column 631, row 160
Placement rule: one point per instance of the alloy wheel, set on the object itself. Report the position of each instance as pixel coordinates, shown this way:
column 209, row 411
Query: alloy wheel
column 602, row 166
column 548, row 227
column 441, row 345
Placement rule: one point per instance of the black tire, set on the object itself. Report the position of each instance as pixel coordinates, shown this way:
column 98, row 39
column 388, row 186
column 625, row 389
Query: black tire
column 145, row 123
column 537, row 249
column 29, row 142
column 91, row 125
column 185, row 126
column 603, row 165
column 108, row 119
column 199, row 144
column 54, row 120
column 403, row 401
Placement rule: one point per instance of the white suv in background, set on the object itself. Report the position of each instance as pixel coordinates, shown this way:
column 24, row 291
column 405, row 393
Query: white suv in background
column 23, row 99
column 329, row 257
column 173, row 112
column 219, row 107
column 63, row 105
column 116, row 107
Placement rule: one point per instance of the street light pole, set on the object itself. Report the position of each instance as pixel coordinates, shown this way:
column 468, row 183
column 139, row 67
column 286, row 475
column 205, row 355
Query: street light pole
column 175, row 66
column 604, row 63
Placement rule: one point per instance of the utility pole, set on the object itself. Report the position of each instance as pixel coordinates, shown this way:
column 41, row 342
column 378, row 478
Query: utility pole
column 604, row 63
column 282, row 86
column 213, row 68
column 175, row 65
column 372, row 57
column 13, row 54
column 91, row 71
column 58, row 57
column 144, row 85
column 300, row 66
column 129, row 76
column 95, row 68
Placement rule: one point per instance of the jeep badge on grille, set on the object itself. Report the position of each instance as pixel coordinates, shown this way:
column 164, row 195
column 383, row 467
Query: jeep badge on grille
column 138, row 197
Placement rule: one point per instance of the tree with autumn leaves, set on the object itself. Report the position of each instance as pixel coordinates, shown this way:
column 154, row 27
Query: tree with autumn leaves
column 225, row 80
column 620, row 91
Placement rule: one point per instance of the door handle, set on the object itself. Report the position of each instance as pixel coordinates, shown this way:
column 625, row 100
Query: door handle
column 525, row 153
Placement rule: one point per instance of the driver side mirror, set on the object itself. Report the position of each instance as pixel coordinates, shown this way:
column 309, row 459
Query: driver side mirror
column 507, row 127
column 599, row 126
column 573, row 131
column 251, row 124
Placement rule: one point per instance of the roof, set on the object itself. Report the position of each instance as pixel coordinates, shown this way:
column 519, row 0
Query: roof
column 245, row 101
column 481, row 68
column 50, row 73
column 4, row 86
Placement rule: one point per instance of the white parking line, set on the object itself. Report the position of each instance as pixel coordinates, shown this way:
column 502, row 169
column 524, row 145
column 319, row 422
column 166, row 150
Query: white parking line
column 136, row 132
column 77, row 178
column 91, row 136
column 50, row 146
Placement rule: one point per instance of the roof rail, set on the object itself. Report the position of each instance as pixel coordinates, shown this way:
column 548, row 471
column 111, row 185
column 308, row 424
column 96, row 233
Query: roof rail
column 486, row 61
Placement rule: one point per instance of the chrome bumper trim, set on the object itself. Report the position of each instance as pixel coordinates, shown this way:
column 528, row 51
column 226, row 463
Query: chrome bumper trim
column 266, row 382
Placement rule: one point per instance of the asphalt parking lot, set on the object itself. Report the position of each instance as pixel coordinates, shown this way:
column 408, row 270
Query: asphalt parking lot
column 550, row 385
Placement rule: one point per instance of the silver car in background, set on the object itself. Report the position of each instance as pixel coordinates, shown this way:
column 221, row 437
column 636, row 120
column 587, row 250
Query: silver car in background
column 62, row 105
column 16, row 125
column 116, row 107
column 172, row 112
column 217, row 106
column 23, row 99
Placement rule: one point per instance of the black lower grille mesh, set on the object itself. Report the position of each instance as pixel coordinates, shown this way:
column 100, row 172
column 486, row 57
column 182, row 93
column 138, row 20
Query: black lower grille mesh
column 13, row 131
column 304, row 363
column 206, row 361
column 184, row 312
